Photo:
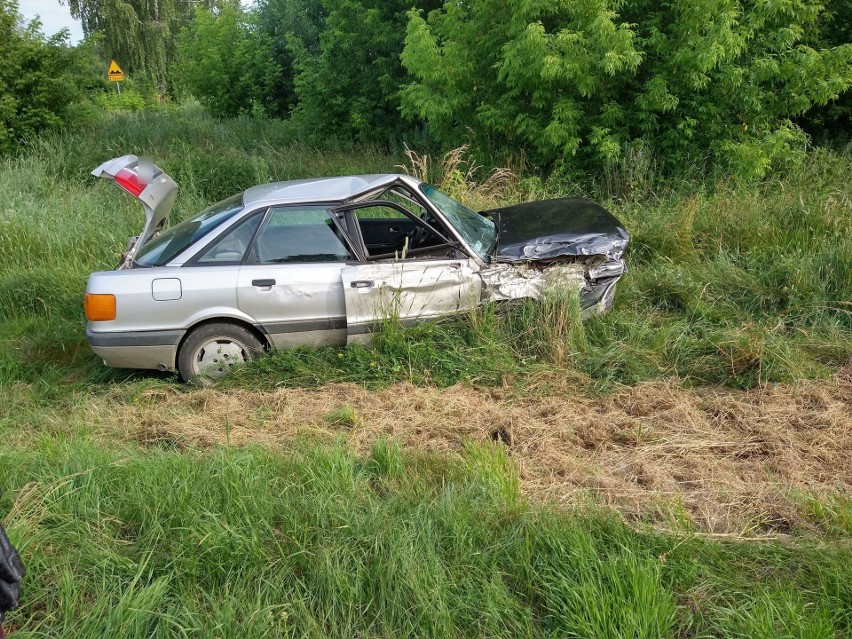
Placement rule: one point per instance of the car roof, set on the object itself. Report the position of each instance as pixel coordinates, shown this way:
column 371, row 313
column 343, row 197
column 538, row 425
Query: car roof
column 331, row 189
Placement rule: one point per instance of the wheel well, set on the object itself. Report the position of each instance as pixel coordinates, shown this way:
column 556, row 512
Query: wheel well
column 227, row 320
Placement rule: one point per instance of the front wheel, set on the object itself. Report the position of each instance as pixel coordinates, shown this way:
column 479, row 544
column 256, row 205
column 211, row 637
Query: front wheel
column 212, row 350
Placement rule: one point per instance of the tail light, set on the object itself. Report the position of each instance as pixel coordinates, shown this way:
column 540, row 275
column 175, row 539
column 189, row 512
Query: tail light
column 130, row 182
column 100, row 307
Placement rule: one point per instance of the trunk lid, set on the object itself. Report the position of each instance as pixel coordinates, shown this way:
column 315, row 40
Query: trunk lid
column 154, row 190
column 550, row 229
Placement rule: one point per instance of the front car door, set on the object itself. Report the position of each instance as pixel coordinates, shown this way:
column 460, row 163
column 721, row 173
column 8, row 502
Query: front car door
column 291, row 281
column 422, row 275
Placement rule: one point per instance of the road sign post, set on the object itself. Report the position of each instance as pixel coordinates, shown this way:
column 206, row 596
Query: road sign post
column 115, row 74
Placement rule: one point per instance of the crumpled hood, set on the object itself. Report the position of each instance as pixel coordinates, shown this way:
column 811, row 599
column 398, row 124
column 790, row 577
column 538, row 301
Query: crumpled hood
column 557, row 228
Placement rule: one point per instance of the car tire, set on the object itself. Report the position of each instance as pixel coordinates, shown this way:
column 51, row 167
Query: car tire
column 210, row 351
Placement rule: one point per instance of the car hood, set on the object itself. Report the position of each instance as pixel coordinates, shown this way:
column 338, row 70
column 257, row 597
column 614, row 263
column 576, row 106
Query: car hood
column 551, row 229
column 154, row 190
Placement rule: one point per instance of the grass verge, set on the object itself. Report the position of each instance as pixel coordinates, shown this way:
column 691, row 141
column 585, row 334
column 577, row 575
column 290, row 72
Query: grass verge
column 324, row 543
column 735, row 284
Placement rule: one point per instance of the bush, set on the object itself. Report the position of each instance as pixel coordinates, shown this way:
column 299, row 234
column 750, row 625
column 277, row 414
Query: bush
column 589, row 81
column 39, row 78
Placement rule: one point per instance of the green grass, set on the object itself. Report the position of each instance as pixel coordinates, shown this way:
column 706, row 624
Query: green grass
column 322, row 543
column 729, row 283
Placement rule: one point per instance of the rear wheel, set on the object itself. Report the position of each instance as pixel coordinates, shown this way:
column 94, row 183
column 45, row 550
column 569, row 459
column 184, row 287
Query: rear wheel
column 212, row 350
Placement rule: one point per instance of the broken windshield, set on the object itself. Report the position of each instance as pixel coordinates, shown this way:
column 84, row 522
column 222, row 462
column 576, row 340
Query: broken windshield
column 477, row 231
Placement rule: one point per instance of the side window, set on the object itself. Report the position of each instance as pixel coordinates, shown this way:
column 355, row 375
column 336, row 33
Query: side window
column 402, row 197
column 387, row 232
column 232, row 246
column 380, row 212
column 294, row 235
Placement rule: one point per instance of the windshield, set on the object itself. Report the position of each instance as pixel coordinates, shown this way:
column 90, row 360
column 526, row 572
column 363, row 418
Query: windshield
column 167, row 245
column 477, row 231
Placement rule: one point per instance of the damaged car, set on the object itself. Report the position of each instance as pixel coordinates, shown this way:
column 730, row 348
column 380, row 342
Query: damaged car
column 322, row 262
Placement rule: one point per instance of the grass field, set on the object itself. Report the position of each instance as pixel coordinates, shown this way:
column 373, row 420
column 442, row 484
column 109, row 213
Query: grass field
column 679, row 467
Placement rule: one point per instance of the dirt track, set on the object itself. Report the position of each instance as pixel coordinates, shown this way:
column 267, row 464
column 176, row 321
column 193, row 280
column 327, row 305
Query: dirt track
column 734, row 462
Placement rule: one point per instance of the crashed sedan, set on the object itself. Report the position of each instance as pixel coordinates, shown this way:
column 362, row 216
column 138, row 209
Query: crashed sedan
column 322, row 262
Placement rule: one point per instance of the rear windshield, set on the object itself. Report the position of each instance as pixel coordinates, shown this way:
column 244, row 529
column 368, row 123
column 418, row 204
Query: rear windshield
column 163, row 248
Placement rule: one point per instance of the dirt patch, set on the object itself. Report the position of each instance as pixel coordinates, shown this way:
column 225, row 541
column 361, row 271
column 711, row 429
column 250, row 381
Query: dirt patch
column 728, row 461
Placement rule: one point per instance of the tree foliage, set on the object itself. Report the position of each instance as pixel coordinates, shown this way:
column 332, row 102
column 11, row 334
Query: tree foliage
column 142, row 35
column 40, row 77
column 591, row 78
column 349, row 84
column 292, row 27
column 226, row 61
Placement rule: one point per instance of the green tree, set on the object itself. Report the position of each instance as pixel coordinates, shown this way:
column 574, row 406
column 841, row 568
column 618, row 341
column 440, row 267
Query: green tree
column 40, row 78
column 832, row 123
column 582, row 80
column 291, row 26
column 226, row 61
column 349, row 85
column 142, row 35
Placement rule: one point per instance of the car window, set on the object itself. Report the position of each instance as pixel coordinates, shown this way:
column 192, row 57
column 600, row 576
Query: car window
column 388, row 232
column 295, row 234
column 404, row 198
column 231, row 247
column 478, row 231
column 167, row 245
column 380, row 213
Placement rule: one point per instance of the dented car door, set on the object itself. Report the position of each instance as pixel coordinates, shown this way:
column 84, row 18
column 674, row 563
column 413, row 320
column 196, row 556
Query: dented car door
column 291, row 282
column 407, row 291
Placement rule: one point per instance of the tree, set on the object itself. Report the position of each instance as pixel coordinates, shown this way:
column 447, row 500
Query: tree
column 831, row 123
column 226, row 61
column 581, row 80
column 39, row 78
column 142, row 35
column 291, row 26
column 349, row 85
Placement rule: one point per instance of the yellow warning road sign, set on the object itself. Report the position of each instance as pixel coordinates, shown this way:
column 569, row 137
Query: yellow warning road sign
column 115, row 74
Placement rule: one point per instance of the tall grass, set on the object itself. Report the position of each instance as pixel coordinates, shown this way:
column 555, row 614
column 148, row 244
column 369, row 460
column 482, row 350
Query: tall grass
column 729, row 283
column 322, row 543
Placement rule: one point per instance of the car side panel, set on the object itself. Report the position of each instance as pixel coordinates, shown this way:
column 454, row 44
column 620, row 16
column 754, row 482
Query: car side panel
column 167, row 298
column 407, row 291
column 295, row 303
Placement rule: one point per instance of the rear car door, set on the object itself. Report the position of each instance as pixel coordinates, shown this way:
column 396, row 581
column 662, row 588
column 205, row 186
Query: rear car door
column 291, row 282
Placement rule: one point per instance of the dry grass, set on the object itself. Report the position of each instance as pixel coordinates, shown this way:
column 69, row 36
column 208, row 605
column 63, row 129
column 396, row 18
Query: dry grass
column 720, row 460
column 461, row 177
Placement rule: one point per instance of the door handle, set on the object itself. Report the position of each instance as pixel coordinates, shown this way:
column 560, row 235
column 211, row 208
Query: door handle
column 454, row 265
column 263, row 282
column 362, row 284
column 393, row 229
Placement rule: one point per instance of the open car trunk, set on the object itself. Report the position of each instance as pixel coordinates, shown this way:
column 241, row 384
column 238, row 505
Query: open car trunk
column 155, row 190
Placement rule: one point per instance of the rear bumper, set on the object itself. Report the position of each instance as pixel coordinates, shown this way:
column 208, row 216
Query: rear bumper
column 156, row 350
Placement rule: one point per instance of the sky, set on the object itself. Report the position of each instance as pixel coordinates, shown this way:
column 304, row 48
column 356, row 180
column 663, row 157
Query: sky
column 53, row 15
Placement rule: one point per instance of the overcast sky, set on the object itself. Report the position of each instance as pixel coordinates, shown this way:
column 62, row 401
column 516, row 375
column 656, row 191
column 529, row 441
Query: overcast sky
column 53, row 16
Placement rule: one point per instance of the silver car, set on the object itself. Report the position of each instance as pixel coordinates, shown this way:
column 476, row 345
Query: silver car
column 325, row 261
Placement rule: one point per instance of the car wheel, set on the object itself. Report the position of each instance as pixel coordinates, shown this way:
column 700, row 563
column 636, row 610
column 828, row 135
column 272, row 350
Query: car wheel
column 212, row 350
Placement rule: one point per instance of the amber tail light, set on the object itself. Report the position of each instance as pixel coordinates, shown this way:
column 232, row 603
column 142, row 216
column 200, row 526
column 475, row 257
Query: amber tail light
column 100, row 307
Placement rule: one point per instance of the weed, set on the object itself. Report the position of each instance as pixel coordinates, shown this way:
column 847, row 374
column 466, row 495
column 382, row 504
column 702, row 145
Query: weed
column 343, row 417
